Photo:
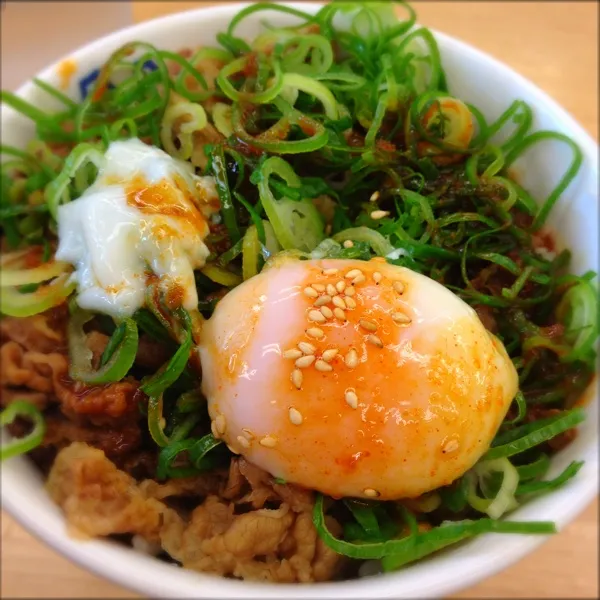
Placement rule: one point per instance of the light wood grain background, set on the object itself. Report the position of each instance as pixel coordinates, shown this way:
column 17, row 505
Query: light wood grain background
column 554, row 44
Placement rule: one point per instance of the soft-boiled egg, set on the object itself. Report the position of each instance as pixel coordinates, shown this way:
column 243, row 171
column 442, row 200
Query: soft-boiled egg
column 146, row 214
column 354, row 378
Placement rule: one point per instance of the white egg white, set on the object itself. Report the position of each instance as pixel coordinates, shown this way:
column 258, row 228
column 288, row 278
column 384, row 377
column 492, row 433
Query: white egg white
column 114, row 244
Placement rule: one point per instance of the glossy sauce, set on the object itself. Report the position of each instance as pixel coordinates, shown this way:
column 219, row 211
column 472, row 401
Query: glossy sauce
column 165, row 199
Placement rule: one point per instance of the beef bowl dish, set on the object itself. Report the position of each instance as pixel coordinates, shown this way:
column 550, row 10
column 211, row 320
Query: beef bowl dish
column 282, row 306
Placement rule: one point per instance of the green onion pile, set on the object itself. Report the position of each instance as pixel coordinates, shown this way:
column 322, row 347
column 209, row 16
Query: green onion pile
column 310, row 131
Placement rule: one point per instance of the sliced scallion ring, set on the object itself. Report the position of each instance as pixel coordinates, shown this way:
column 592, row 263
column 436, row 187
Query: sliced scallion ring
column 23, row 409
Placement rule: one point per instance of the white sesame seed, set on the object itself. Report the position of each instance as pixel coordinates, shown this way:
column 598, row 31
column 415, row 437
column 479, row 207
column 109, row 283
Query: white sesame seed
column 315, row 332
column 319, row 287
column 296, row 378
column 351, row 359
column 310, row 292
column 322, row 366
column 353, row 273
column 349, row 291
column 379, row 214
column 306, row 348
column 220, row 424
column 327, row 312
column 268, row 441
column 451, row 446
column 401, row 318
column 359, row 279
column 351, row 399
column 330, row 271
column 330, row 354
column 371, row 493
column 325, row 299
column 350, row 303
column 348, row 244
column 368, row 325
column 213, row 429
column 340, row 286
column 292, row 353
column 399, row 287
column 248, row 433
column 331, row 290
column 339, row 314
column 377, row 277
column 339, row 302
column 244, row 443
column 374, row 197
column 295, row 416
column 373, row 339
column 305, row 361
column 316, row 316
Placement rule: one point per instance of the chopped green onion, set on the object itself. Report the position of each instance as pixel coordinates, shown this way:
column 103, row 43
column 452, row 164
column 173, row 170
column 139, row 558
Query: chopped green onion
column 16, row 304
column 380, row 245
column 221, row 275
column 454, row 497
column 528, row 436
column 156, row 421
column 275, row 138
column 533, row 138
column 365, row 517
column 116, row 366
column 505, row 498
column 397, row 553
column 521, row 410
column 258, row 97
column 57, row 192
column 18, row 277
column 542, row 487
column 314, row 88
column 151, row 325
column 297, row 225
column 168, row 374
column 190, row 401
column 537, row 468
column 578, row 310
column 25, row 410
column 197, row 449
column 219, row 170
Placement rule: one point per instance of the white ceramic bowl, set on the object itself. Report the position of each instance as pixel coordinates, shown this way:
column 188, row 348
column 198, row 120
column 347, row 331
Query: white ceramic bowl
column 472, row 76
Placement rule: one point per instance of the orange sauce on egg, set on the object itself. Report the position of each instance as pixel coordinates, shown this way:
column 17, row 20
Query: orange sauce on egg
column 174, row 295
column 387, row 379
column 162, row 199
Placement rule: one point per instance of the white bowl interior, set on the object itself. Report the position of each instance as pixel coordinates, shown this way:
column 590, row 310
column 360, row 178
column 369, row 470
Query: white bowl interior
column 472, row 76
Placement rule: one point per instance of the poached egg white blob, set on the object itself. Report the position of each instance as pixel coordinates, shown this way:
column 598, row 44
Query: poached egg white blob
column 145, row 214
column 354, row 378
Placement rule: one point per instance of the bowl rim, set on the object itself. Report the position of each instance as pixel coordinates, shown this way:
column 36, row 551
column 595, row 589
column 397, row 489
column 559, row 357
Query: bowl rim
column 185, row 583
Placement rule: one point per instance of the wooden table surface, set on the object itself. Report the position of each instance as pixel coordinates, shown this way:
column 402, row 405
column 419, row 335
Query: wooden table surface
column 554, row 44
